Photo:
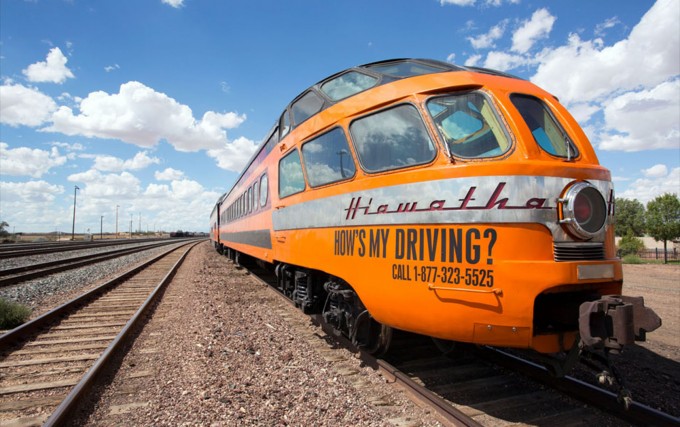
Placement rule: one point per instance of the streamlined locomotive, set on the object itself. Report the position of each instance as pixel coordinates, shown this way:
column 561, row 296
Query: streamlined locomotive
column 457, row 202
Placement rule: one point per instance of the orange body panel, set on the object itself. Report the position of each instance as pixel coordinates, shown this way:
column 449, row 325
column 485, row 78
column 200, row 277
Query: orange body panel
column 420, row 256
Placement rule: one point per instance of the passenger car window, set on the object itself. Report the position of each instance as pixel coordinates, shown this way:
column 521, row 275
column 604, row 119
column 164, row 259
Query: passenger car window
column 291, row 180
column 548, row 134
column 305, row 107
column 392, row 139
column 405, row 68
column 271, row 142
column 468, row 124
column 327, row 158
column 347, row 85
column 253, row 200
column 264, row 190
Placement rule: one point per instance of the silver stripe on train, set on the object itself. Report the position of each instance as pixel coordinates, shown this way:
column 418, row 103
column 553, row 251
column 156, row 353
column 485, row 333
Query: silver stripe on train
column 490, row 199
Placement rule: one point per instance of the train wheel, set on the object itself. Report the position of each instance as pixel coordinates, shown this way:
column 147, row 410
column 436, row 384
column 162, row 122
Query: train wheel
column 380, row 341
column 373, row 337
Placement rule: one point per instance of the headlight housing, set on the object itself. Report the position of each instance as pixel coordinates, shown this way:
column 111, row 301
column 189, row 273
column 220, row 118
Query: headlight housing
column 582, row 210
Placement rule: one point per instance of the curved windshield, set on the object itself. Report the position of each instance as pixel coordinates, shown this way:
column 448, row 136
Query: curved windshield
column 468, row 124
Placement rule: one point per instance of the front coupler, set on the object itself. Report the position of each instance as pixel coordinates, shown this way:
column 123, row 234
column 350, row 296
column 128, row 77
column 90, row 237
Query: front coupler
column 614, row 321
column 607, row 325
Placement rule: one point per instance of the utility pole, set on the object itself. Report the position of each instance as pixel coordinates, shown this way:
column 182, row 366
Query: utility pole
column 117, row 221
column 73, row 229
column 101, row 228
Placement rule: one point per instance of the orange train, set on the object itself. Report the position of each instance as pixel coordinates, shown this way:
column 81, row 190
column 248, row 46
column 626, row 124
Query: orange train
column 457, row 202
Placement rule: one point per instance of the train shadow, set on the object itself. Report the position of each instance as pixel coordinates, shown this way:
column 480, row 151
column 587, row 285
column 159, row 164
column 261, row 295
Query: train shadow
column 481, row 387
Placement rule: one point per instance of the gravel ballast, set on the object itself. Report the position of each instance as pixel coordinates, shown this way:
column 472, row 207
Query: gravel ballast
column 223, row 349
column 45, row 293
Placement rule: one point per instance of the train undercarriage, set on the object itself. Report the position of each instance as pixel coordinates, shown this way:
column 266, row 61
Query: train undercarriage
column 315, row 292
column 605, row 324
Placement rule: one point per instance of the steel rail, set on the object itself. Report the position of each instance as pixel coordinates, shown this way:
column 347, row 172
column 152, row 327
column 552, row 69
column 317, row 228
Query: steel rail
column 66, row 247
column 442, row 408
column 70, row 403
column 29, row 272
column 636, row 413
column 36, row 324
column 589, row 394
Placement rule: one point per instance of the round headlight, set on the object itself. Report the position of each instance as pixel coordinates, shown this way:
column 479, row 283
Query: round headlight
column 583, row 210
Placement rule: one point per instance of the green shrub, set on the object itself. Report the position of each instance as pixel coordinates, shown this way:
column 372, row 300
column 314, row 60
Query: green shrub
column 12, row 314
column 632, row 259
column 630, row 245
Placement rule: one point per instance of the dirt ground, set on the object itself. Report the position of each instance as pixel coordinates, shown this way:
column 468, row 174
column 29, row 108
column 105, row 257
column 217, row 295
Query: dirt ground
column 660, row 286
column 652, row 368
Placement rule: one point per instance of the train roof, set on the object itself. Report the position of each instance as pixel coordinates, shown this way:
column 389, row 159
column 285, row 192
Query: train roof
column 354, row 80
column 344, row 84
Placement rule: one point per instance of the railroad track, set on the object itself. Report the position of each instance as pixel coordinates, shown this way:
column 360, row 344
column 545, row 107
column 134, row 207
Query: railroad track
column 50, row 363
column 473, row 386
column 496, row 388
column 14, row 275
column 26, row 249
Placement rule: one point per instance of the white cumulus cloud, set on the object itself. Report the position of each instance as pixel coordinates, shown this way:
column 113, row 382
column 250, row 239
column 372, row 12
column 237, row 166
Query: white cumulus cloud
column 141, row 160
column 655, row 183
column 99, row 185
column 503, row 61
column 643, row 120
column 15, row 194
column 24, row 161
column 169, row 174
column 234, row 155
column 484, row 41
column 457, row 2
column 656, row 171
column 53, row 69
column 584, row 70
column 25, row 106
column 536, row 28
column 174, row 3
column 139, row 115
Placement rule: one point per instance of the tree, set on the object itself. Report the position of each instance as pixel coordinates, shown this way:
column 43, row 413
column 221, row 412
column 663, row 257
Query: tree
column 630, row 245
column 630, row 218
column 3, row 232
column 663, row 219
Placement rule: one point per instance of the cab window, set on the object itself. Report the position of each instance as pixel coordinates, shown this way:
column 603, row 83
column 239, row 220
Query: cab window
column 328, row 159
column 392, row 139
column 291, row 180
column 468, row 124
column 547, row 132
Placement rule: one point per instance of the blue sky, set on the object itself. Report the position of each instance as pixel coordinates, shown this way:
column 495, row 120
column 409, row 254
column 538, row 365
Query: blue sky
column 155, row 105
